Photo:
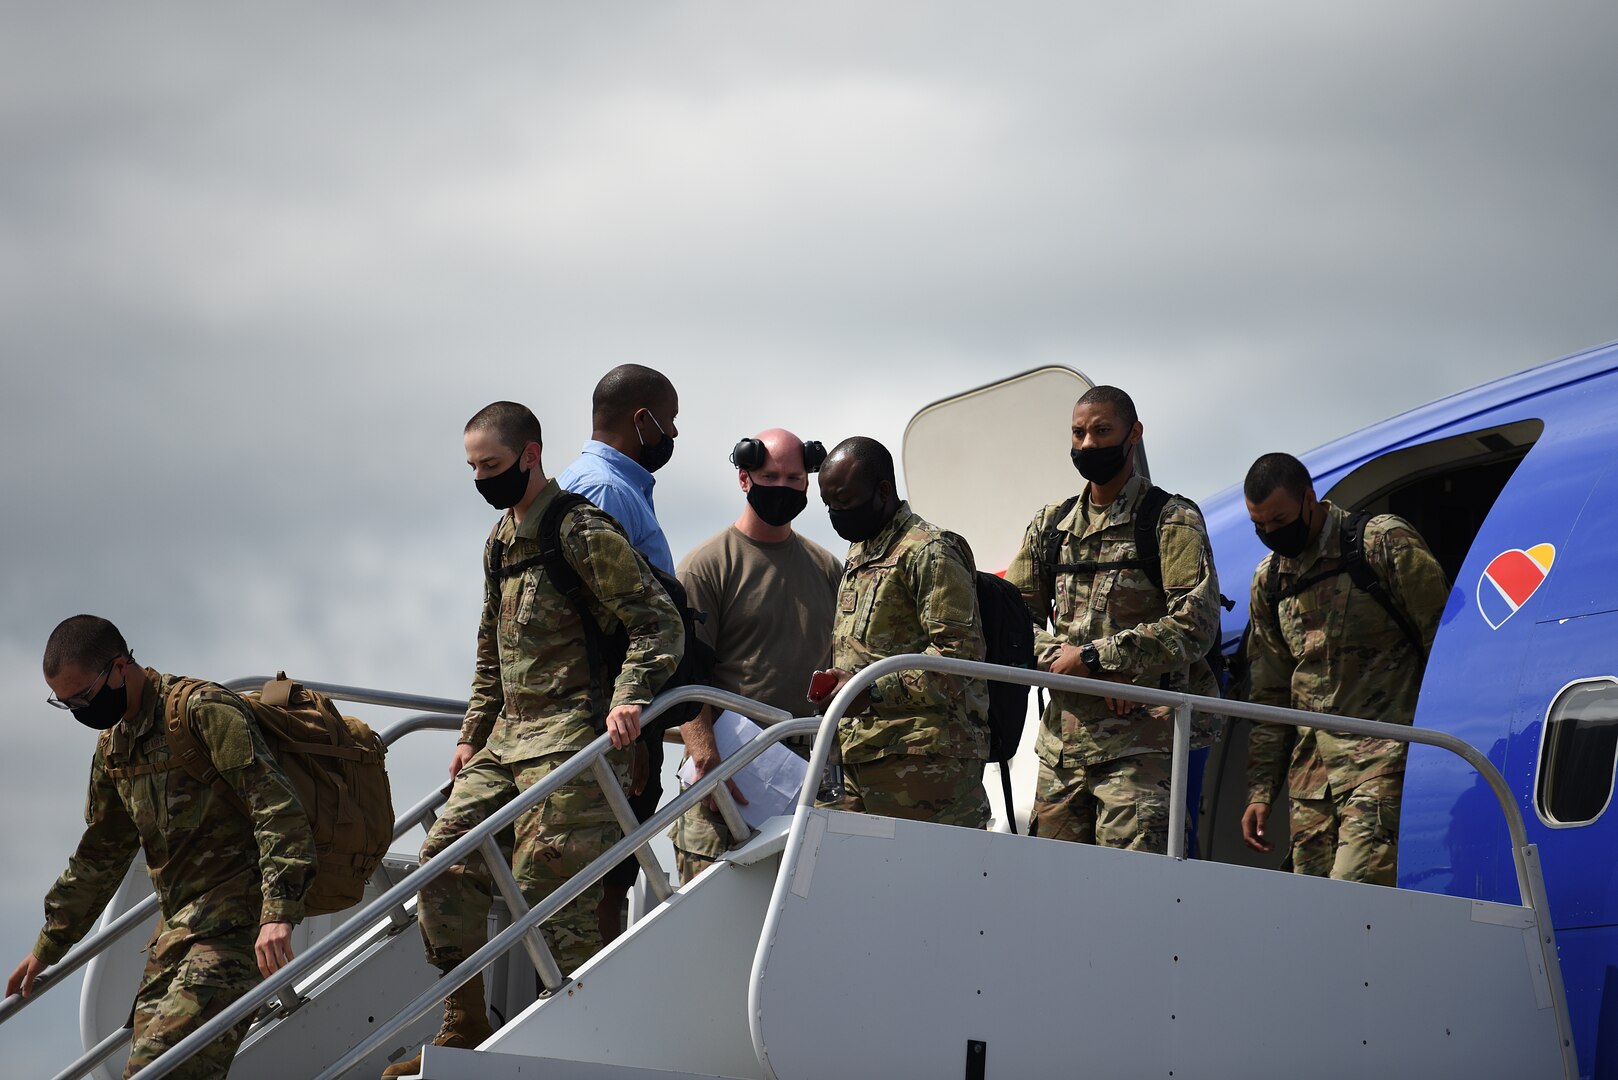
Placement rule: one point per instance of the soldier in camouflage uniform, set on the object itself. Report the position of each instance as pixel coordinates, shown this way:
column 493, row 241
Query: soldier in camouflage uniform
column 230, row 889
column 1104, row 763
column 914, row 743
column 1333, row 648
column 531, row 711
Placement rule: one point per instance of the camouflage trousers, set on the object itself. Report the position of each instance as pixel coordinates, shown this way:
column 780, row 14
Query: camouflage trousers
column 922, row 787
column 1354, row 837
column 187, row 982
column 1121, row 804
column 547, row 845
column 699, row 837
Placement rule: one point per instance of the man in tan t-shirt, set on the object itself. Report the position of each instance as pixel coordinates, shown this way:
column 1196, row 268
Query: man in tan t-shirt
column 770, row 597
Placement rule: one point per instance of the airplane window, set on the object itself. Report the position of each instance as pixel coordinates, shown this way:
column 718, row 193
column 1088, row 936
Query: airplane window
column 1578, row 753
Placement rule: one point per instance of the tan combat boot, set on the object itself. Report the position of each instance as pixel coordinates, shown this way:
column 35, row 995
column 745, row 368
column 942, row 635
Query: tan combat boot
column 466, row 1024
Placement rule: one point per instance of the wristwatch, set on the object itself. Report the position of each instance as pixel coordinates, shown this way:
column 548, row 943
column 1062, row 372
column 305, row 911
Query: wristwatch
column 1091, row 656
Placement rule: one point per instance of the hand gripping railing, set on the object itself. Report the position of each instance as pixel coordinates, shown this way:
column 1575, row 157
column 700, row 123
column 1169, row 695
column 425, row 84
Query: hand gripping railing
column 444, row 714
column 527, row 921
column 1525, row 856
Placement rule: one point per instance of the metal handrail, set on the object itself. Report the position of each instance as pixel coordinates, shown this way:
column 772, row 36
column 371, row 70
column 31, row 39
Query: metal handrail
column 98, row 1053
column 710, row 783
column 1525, row 856
column 464, row 846
column 364, row 695
column 447, row 716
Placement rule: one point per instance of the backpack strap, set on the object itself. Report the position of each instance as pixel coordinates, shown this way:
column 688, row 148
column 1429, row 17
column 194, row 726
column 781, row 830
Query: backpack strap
column 1272, row 589
column 1360, row 572
column 1053, row 543
column 1148, row 520
column 561, row 574
column 1364, row 575
column 1148, row 558
column 186, row 747
column 567, row 581
column 1005, row 792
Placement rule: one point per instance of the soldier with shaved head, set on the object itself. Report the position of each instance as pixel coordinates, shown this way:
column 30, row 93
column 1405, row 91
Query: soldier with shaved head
column 536, row 703
column 770, row 596
column 914, row 742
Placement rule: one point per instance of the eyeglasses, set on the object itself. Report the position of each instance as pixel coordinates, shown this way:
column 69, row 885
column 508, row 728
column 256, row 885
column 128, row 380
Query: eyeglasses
column 81, row 699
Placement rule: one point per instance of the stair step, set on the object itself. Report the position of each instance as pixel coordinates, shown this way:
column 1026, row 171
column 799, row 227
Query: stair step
column 446, row 1063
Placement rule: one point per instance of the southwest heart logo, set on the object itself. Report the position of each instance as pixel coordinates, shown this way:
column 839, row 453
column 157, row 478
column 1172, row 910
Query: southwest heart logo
column 1510, row 579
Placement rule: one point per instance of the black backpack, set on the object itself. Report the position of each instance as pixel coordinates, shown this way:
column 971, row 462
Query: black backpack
column 607, row 651
column 1008, row 634
column 1148, row 557
column 1359, row 571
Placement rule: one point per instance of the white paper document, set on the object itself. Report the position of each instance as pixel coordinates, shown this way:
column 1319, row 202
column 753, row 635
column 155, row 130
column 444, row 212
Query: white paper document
column 770, row 784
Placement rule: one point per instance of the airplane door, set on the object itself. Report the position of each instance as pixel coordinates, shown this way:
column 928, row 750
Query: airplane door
column 984, row 462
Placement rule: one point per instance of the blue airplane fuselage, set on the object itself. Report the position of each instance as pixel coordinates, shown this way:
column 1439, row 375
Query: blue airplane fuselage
column 1531, row 619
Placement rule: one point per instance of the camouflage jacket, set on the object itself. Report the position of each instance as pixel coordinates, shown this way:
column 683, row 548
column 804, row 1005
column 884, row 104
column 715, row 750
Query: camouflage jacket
column 910, row 589
column 1335, row 650
column 531, row 686
column 212, row 868
column 1155, row 636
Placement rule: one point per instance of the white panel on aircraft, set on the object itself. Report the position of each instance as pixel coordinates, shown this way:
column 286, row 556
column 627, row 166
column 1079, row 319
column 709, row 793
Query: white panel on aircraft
column 982, row 463
column 1068, row 959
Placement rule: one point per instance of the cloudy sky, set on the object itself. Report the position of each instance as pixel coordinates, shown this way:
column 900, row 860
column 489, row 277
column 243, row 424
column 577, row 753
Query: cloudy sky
column 258, row 266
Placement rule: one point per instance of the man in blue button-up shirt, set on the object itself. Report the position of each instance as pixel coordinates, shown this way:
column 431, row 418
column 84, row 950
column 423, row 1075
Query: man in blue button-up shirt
column 632, row 436
column 632, row 416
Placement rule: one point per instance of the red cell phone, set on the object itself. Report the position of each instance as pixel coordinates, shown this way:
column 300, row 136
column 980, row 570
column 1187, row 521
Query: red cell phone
column 821, row 685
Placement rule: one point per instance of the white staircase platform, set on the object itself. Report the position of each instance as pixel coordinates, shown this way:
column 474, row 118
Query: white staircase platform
column 441, row 1063
column 671, row 994
column 902, row 949
column 893, row 945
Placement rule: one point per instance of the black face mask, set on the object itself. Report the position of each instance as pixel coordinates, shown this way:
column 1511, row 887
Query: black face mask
column 776, row 504
column 1099, row 464
column 1289, row 540
column 505, row 490
column 860, row 523
column 655, row 456
column 106, row 708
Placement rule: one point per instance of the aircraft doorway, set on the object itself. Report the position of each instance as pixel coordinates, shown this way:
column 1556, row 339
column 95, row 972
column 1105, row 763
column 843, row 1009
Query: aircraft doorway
column 1445, row 489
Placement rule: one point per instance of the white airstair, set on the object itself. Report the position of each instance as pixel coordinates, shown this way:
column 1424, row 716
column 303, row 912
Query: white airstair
column 849, row 945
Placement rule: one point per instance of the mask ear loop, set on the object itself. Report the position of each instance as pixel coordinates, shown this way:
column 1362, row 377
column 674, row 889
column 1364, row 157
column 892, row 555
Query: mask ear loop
column 655, row 424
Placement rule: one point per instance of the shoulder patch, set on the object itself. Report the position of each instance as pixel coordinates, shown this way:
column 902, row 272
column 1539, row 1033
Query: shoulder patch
column 1181, row 555
column 224, row 729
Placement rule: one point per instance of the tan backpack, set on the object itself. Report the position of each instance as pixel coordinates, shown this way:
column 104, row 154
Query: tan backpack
column 336, row 766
